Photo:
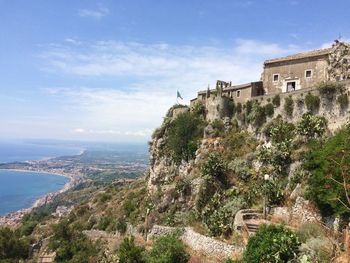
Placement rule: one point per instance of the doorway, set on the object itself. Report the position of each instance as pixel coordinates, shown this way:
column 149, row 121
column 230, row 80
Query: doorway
column 291, row 86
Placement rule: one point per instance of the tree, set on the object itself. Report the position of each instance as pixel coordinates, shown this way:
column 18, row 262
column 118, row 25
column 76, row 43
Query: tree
column 168, row 249
column 273, row 244
column 129, row 252
column 329, row 163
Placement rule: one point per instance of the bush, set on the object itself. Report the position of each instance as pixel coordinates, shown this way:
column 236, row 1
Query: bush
column 279, row 131
column 121, row 226
column 219, row 127
column 168, row 249
column 130, row 253
column 237, row 144
column 311, row 126
column 248, row 107
column 288, row 106
column 329, row 164
column 269, row 109
column 184, row 135
column 13, row 248
column 312, row 102
column 71, row 244
column 343, row 101
column 272, row 243
column 215, row 167
column 199, row 109
column 257, row 115
column 217, row 215
column 329, row 88
column 276, row 100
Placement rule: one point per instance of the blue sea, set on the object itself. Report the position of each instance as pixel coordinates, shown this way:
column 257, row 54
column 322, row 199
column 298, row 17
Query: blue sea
column 19, row 190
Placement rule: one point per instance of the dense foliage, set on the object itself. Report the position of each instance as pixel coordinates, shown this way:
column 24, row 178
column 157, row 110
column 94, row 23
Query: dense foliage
column 312, row 102
column 71, row 245
column 168, row 249
column 12, row 246
column 329, row 88
column 329, row 163
column 311, row 126
column 183, row 137
column 273, row 244
column 288, row 106
column 129, row 252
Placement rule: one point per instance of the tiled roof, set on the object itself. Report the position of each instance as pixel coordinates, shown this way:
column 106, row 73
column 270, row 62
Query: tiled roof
column 241, row 86
column 308, row 54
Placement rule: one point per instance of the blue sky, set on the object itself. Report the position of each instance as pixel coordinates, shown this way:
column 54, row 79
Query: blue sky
column 108, row 70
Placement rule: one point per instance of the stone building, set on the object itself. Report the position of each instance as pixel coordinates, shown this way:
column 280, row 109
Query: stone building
column 306, row 70
column 286, row 74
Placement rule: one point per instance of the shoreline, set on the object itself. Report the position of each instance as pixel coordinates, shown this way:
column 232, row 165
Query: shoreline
column 12, row 219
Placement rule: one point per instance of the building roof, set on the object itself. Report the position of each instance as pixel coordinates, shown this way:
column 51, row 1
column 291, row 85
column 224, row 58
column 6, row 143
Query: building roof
column 308, row 54
column 241, row 86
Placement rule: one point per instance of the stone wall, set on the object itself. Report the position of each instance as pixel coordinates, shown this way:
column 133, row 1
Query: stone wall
column 217, row 107
column 197, row 242
column 329, row 109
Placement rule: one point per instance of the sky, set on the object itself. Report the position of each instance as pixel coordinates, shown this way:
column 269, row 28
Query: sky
column 109, row 70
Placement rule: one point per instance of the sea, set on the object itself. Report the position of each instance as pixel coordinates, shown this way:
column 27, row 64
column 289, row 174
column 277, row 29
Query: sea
column 18, row 189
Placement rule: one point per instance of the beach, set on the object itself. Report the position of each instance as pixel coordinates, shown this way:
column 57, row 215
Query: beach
column 14, row 218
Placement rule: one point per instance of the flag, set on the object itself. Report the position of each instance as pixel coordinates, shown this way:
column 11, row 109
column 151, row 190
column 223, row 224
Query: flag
column 179, row 95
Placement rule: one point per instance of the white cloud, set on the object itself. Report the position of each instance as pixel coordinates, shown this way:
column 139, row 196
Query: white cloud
column 97, row 13
column 144, row 80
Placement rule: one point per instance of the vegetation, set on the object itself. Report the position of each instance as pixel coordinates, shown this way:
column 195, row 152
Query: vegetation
column 288, row 106
column 269, row 109
column 219, row 128
column 329, row 88
column 129, row 252
column 329, row 163
column 343, row 101
column 71, row 245
column 276, row 100
column 168, row 249
column 215, row 167
column 272, row 243
column 13, row 247
column 311, row 126
column 279, row 131
column 183, row 136
column 312, row 102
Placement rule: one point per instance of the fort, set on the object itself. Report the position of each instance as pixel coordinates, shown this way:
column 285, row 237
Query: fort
column 292, row 77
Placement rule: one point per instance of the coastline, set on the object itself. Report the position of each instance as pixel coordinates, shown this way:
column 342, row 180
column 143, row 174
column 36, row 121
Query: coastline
column 12, row 219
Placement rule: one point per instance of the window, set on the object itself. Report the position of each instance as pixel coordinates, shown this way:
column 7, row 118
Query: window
column 238, row 93
column 276, row 77
column 308, row 73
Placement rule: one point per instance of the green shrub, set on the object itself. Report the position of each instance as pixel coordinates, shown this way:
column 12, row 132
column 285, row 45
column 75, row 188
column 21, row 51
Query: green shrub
column 279, row 131
column 311, row 126
column 288, row 106
column 312, row 102
column 257, row 115
column 217, row 215
column 215, row 167
column 276, row 100
column 329, row 164
column 130, row 253
column 104, row 222
column 329, row 88
column 13, row 248
column 199, row 109
column 71, row 245
column 168, row 249
column 343, row 101
column 219, row 127
column 273, row 244
column 269, row 109
column 184, row 135
column 121, row 226
column 238, row 144
column 248, row 107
